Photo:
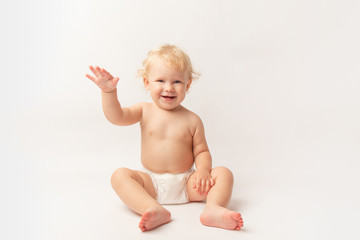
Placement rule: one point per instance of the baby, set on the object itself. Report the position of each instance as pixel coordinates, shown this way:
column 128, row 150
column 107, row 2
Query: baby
column 172, row 140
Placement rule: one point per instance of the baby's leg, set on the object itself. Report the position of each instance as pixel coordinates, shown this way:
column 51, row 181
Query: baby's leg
column 216, row 213
column 136, row 190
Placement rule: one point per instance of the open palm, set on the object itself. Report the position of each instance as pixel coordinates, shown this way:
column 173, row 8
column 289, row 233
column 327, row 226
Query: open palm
column 103, row 79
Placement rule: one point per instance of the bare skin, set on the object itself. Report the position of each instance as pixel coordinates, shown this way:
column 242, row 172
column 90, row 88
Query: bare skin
column 152, row 218
column 173, row 140
column 216, row 214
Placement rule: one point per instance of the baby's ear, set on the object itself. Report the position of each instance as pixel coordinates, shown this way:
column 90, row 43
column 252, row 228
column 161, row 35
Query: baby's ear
column 188, row 84
column 146, row 83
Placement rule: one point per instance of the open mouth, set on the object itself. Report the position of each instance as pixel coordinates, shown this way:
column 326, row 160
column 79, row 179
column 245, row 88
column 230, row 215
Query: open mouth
column 168, row 98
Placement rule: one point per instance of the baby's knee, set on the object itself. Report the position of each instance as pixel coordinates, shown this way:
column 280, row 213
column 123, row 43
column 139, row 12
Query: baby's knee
column 223, row 172
column 119, row 175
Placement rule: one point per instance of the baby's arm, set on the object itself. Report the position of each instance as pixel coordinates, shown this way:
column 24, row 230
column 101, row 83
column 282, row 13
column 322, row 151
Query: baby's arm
column 112, row 109
column 203, row 162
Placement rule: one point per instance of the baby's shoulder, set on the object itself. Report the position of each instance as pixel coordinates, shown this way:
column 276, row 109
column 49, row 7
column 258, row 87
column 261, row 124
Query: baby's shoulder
column 146, row 106
column 192, row 117
column 194, row 122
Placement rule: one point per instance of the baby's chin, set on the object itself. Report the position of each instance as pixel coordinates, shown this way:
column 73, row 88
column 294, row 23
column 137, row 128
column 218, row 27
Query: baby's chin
column 168, row 107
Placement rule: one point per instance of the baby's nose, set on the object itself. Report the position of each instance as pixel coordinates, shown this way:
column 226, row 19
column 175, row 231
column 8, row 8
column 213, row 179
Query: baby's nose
column 169, row 87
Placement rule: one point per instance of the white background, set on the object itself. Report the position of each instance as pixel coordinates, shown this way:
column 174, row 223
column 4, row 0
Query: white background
column 279, row 97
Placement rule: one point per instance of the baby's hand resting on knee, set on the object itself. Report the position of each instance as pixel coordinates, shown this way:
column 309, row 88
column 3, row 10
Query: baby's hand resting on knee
column 203, row 181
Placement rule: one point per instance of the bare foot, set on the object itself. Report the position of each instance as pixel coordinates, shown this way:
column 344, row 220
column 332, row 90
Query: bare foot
column 153, row 218
column 216, row 216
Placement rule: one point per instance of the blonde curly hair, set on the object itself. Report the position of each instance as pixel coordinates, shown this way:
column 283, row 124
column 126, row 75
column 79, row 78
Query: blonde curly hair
column 171, row 54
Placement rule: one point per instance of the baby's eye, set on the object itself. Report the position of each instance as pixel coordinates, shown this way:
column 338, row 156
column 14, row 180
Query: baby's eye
column 160, row 81
column 177, row 81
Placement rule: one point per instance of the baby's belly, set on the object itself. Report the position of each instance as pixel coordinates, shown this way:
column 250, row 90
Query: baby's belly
column 171, row 158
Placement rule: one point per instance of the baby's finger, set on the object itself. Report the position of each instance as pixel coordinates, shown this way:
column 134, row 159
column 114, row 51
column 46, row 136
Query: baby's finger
column 116, row 80
column 212, row 182
column 198, row 186
column 94, row 71
column 203, row 187
column 98, row 69
column 194, row 182
column 106, row 73
column 208, row 186
column 90, row 77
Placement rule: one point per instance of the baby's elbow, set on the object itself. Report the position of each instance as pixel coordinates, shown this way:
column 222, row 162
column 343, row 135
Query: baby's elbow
column 120, row 121
column 113, row 120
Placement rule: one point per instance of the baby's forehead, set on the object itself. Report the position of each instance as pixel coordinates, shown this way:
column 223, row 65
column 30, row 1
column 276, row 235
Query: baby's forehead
column 165, row 61
column 165, row 64
column 163, row 69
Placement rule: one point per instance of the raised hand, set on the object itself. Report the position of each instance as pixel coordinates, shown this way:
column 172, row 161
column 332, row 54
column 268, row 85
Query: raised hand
column 103, row 79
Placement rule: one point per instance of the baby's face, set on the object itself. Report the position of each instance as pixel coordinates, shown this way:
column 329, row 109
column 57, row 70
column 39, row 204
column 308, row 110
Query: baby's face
column 167, row 85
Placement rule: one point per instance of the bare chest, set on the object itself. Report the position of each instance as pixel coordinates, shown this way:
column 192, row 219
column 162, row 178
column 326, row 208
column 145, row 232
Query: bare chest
column 166, row 126
column 175, row 130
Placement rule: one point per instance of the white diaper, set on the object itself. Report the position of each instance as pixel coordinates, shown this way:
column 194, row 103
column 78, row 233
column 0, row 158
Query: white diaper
column 170, row 188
